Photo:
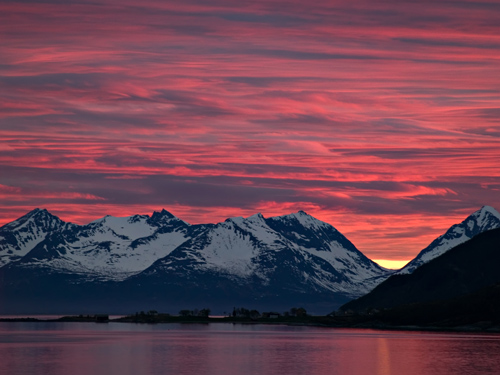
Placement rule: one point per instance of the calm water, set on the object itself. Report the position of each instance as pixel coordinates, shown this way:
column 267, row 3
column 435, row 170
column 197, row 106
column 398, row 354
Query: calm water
column 119, row 348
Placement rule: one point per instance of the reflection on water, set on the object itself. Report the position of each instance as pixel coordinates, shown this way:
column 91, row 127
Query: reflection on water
column 120, row 348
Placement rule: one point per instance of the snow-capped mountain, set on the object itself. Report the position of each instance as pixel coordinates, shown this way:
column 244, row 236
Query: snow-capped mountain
column 164, row 259
column 294, row 252
column 110, row 248
column 114, row 248
column 19, row 237
column 487, row 218
column 320, row 239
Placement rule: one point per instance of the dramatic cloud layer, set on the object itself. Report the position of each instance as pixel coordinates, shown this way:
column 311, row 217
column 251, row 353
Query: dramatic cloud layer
column 381, row 118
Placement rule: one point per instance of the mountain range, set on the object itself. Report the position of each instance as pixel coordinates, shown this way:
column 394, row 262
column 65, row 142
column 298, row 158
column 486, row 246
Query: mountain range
column 139, row 262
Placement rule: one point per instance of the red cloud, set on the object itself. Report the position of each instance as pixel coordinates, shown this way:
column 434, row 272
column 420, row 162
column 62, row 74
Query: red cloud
column 363, row 115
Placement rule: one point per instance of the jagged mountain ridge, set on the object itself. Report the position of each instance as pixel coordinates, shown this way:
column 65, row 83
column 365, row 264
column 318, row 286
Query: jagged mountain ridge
column 162, row 259
column 156, row 259
column 484, row 219
column 116, row 248
column 258, row 250
column 111, row 248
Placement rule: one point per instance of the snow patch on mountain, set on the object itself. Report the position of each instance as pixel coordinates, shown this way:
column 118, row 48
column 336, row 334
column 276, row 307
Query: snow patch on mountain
column 131, row 227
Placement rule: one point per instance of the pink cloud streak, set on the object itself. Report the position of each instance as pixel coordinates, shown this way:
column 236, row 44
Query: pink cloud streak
column 380, row 118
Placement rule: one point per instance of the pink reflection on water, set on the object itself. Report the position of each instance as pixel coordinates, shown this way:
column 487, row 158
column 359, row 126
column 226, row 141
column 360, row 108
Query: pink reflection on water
column 108, row 349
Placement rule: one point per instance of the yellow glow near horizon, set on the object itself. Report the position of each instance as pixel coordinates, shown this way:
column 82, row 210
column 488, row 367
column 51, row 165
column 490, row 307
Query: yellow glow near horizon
column 391, row 264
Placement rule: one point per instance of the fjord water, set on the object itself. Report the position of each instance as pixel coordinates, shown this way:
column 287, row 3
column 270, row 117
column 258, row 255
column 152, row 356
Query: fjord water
column 45, row 348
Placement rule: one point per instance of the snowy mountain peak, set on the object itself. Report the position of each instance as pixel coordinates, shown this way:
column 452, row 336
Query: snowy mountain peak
column 485, row 215
column 164, row 217
column 100, row 220
column 297, row 214
column 39, row 216
column 489, row 209
column 20, row 236
column 256, row 225
column 163, row 214
column 137, row 218
column 484, row 219
column 235, row 220
column 256, row 218
column 38, row 211
column 304, row 219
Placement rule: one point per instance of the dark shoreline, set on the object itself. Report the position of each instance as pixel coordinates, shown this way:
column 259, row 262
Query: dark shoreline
column 357, row 322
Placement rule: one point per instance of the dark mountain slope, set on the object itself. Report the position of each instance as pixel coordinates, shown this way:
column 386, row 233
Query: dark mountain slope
column 463, row 269
column 480, row 309
column 483, row 220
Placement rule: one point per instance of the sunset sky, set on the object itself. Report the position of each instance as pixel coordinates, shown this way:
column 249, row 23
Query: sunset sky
column 378, row 117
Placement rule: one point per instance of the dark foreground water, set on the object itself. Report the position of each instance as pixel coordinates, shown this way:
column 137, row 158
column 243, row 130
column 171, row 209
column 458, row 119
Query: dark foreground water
column 220, row 349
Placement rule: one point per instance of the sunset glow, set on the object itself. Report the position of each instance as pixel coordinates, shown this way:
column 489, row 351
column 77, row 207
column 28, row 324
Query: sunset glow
column 380, row 118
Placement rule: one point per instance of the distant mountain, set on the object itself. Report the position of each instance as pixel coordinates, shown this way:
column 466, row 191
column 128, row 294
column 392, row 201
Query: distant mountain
column 19, row 237
column 162, row 260
column 280, row 261
column 249, row 247
column 111, row 248
column 319, row 239
column 462, row 270
column 485, row 219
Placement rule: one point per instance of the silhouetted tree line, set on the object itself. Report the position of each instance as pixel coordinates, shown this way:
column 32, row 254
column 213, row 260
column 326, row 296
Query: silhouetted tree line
column 202, row 313
column 297, row 311
column 238, row 312
column 149, row 313
column 241, row 312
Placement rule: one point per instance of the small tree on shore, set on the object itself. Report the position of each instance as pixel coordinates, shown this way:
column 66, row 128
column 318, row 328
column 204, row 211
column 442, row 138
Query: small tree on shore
column 204, row 312
column 298, row 311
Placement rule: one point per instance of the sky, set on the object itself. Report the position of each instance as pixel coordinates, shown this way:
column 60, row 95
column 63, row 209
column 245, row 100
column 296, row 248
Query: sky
column 378, row 117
